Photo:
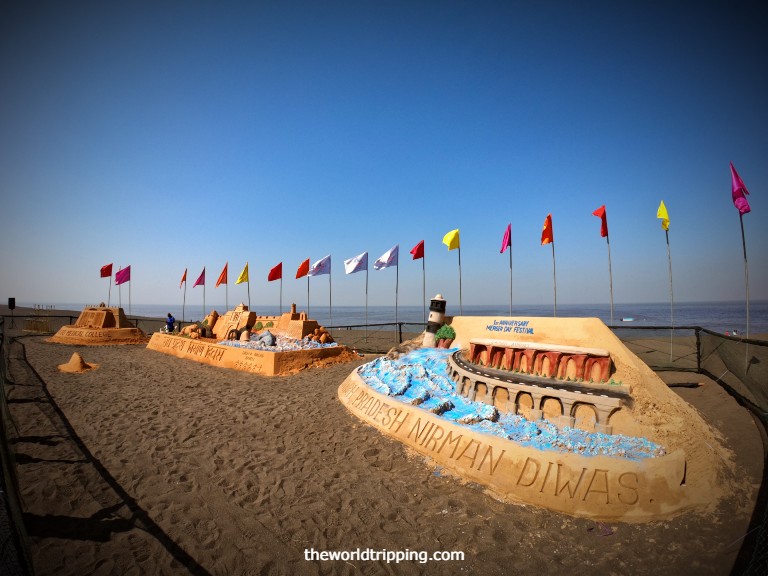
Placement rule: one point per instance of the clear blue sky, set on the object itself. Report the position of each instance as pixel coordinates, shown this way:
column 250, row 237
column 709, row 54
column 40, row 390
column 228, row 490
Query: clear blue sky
column 173, row 135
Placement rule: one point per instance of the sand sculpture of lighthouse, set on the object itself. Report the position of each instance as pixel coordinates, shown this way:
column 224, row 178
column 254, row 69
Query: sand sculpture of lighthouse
column 435, row 320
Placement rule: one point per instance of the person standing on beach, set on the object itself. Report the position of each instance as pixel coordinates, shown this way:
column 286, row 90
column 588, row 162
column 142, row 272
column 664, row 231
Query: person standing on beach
column 169, row 322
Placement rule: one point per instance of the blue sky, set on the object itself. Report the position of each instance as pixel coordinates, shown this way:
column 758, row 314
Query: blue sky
column 179, row 135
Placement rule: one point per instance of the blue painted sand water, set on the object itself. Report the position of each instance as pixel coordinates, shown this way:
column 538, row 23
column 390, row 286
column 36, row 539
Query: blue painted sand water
column 421, row 378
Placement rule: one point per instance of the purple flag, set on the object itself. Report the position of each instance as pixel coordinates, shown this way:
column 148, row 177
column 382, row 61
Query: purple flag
column 738, row 191
column 123, row 275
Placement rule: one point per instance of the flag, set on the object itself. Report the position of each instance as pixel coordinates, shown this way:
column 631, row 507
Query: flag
column 123, row 275
column 223, row 276
column 201, row 279
column 506, row 242
column 277, row 273
column 547, row 236
column 738, row 191
column 662, row 213
column 389, row 258
column 418, row 250
column 356, row 264
column 452, row 239
column 303, row 269
column 106, row 271
column 243, row 275
column 183, row 278
column 322, row 266
column 600, row 213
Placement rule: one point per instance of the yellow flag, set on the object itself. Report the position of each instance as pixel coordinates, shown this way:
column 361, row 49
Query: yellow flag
column 662, row 213
column 452, row 239
column 243, row 275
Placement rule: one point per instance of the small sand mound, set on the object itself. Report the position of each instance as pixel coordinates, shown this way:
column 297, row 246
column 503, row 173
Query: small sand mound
column 77, row 364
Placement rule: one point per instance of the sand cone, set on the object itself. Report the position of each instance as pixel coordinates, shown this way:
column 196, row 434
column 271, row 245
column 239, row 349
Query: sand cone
column 76, row 364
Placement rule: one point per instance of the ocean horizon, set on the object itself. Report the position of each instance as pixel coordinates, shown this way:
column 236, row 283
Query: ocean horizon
column 723, row 316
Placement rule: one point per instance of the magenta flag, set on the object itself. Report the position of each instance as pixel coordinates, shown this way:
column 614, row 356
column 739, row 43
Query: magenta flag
column 738, row 191
column 123, row 275
column 506, row 242
column 201, row 279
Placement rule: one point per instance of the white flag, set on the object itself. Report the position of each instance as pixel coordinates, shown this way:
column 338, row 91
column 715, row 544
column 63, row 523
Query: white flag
column 322, row 266
column 356, row 264
column 389, row 258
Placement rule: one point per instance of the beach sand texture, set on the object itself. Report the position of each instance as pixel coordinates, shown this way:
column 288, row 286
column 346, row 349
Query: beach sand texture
column 156, row 465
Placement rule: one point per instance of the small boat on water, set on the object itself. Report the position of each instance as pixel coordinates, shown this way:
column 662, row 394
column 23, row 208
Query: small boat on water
column 628, row 319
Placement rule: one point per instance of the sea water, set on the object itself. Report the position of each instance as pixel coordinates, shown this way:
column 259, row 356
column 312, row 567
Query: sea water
column 717, row 316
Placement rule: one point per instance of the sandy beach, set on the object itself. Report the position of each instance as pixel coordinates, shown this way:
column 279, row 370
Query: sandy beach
column 156, row 465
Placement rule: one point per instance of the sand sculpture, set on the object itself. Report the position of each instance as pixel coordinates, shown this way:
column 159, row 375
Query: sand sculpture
column 554, row 412
column 77, row 365
column 99, row 325
column 243, row 340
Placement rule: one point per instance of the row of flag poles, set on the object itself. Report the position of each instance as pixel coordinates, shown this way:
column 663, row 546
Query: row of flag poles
column 452, row 240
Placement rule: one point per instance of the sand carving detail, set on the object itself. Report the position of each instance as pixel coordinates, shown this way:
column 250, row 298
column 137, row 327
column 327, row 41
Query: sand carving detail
column 98, row 325
column 689, row 473
column 76, row 364
column 239, row 326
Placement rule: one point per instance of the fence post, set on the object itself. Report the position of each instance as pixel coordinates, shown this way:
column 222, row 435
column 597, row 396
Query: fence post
column 698, row 349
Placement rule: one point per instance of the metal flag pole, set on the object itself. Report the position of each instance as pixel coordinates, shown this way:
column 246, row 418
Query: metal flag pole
column 109, row 294
column 248, row 283
column 281, row 294
column 397, row 289
column 184, row 302
column 203, row 318
column 746, row 284
column 120, row 292
column 510, row 278
column 226, row 295
column 330, row 299
column 366, row 299
column 610, row 273
column 554, row 276
column 461, row 308
column 671, row 298
column 307, row 295
column 424, row 289
column 129, row 297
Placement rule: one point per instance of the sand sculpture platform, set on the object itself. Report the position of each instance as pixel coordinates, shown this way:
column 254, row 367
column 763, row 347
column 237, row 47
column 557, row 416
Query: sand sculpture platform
column 100, row 325
column 258, row 361
column 530, row 373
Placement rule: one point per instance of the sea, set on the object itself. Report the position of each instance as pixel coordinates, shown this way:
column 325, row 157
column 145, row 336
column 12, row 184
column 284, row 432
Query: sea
column 724, row 317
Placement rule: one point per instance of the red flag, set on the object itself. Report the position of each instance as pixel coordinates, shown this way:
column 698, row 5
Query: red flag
column 738, row 191
column 276, row 273
column 547, row 236
column 106, row 271
column 223, row 276
column 418, row 250
column 200, row 279
column 183, row 278
column 123, row 275
column 303, row 269
column 600, row 213
column 506, row 242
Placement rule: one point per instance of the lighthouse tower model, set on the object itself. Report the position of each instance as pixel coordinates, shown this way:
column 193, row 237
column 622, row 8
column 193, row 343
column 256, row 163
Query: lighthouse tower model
column 435, row 320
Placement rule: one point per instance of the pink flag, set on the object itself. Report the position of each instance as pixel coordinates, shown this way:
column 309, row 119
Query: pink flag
column 200, row 279
column 738, row 191
column 506, row 242
column 123, row 275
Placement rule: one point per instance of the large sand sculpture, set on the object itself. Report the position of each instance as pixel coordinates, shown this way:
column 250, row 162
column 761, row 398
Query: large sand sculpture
column 554, row 412
column 299, row 342
column 100, row 325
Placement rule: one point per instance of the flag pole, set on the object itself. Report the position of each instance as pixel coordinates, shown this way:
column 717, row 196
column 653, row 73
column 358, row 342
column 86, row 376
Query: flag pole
column 554, row 276
column 307, row 295
column 610, row 273
column 671, row 298
column 249, row 292
column 226, row 294
column 281, row 292
column 330, row 299
column 397, row 289
column 746, row 283
column 461, row 308
column 120, row 293
column 109, row 294
column 129, row 297
column 184, row 302
column 510, row 279
column 203, row 318
column 366, row 299
column 424, row 289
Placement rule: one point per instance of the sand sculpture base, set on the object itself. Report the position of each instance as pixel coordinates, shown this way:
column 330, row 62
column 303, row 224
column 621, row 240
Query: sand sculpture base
column 100, row 325
column 255, row 361
column 690, row 473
